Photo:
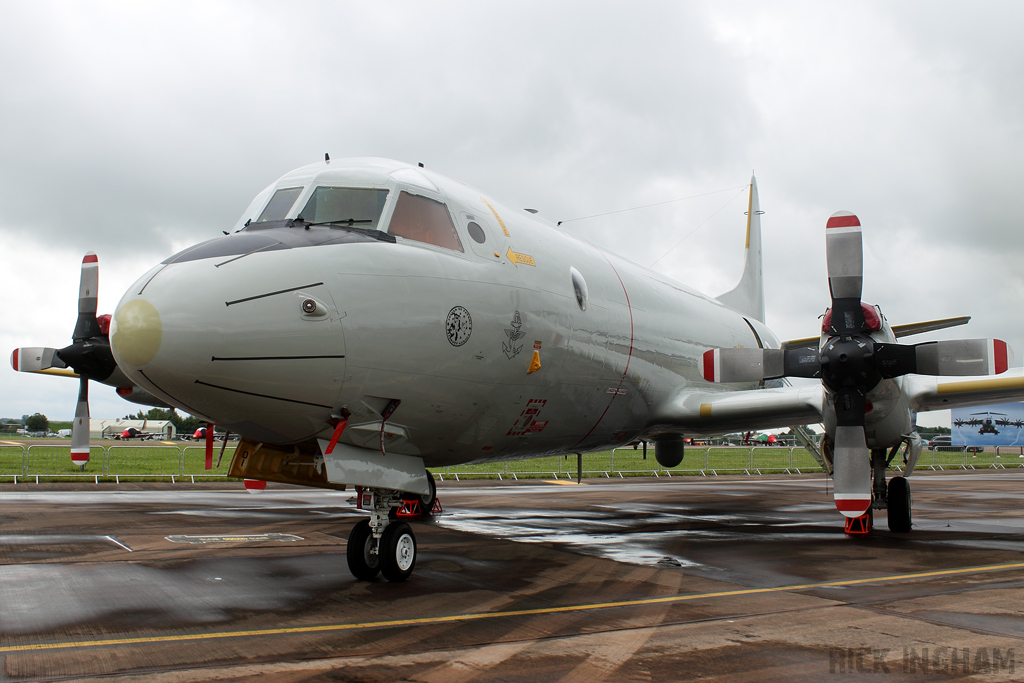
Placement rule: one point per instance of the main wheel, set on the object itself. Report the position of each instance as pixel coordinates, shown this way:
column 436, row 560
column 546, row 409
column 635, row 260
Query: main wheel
column 899, row 505
column 427, row 501
column 363, row 563
column 397, row 552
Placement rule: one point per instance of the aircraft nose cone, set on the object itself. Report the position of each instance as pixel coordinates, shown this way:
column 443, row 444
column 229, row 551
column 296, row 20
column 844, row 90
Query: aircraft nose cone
column 254, row 344
column 136, row 332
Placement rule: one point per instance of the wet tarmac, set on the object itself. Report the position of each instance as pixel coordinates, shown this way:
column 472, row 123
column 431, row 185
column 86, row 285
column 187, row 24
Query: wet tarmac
column 738, row 579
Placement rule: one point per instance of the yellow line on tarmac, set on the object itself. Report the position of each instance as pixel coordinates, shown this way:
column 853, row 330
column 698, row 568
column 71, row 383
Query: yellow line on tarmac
column 566, row 482
column 10, row 443
column 476, row 616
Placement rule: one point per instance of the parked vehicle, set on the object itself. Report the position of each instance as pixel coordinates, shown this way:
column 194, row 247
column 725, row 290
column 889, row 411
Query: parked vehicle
column 944, row 442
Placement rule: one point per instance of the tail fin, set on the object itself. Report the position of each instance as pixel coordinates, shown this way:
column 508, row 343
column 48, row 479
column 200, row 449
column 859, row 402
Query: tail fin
column 748, row 296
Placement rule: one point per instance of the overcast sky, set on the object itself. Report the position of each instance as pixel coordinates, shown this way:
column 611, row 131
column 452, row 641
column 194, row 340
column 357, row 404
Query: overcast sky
column 136, row 129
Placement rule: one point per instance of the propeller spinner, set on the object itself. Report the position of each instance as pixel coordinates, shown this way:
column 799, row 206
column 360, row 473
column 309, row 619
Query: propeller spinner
column 851, row 362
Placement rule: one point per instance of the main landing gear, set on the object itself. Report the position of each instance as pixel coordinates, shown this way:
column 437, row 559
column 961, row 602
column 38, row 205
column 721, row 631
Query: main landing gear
column 894, row 497
column 384, row 544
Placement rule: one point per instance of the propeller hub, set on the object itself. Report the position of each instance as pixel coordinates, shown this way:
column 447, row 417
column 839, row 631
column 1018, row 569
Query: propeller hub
column 89, row 357
column 848, row 362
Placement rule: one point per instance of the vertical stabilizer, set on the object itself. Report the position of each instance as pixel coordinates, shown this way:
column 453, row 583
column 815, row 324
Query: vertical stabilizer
column 748, row 296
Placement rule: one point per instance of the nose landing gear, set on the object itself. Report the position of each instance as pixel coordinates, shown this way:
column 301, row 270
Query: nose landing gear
column 379, row 545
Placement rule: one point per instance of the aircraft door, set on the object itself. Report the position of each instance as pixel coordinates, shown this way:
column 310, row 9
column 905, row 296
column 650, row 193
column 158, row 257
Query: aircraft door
column 486, row 240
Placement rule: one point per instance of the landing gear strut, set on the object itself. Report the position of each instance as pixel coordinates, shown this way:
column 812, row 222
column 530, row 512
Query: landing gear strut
column 379, row 545
column 895, row 497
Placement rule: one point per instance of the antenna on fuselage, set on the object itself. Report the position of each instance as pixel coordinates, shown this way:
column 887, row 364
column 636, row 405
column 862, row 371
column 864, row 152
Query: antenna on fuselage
column 327, row 158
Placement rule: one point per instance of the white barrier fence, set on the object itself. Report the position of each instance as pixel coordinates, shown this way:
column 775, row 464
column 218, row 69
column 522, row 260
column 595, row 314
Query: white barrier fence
column 116, row 462
column 125, row 461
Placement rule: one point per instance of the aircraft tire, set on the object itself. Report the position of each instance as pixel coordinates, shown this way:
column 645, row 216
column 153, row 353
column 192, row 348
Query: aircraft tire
column 427, row 501
column 361, row 562
column 397, row 552
column 899, row 505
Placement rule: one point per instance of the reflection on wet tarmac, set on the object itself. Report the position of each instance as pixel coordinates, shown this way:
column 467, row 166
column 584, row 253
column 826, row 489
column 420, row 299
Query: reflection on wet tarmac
column 47, row 596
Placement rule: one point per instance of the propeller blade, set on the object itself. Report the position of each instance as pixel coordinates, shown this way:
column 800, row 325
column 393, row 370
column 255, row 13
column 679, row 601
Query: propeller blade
column 80, row 427
column 87, row 326
column 948, row 358
column 852, row 471
column 753, row 365
column 844, row 254
column 35, row 359
column 959, row 357
column 741, row 365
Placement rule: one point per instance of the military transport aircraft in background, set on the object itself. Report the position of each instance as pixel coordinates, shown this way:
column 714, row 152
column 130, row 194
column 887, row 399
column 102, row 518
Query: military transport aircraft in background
column 366, row 319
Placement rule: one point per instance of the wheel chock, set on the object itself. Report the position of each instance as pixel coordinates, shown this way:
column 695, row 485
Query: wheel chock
column 858, row 525
column 412, row 509
column 409, row 508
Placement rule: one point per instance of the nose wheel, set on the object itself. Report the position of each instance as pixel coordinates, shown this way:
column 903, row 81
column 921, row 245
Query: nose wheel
column 379, row 545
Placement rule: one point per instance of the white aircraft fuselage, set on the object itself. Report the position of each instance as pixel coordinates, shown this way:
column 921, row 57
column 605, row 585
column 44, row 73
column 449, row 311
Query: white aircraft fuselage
column 224, row 330
column 368, row 319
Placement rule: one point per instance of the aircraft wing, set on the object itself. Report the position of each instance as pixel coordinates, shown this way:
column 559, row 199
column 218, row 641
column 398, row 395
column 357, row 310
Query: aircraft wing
column 937, row 393
column 707, row 413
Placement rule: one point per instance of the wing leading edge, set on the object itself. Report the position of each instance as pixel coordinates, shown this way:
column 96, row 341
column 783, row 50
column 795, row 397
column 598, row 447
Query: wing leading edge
column 706, row 413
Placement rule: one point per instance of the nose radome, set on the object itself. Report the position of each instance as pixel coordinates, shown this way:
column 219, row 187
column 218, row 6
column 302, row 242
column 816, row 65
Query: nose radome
column 136, row 332
column 254, row 344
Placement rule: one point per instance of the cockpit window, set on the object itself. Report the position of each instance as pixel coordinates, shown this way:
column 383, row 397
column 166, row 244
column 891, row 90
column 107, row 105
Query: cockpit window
column 358, row 207
column 280, row 204
column 424, row 220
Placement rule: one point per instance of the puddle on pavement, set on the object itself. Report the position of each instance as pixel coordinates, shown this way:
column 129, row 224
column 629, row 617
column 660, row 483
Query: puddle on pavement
column 42, row 597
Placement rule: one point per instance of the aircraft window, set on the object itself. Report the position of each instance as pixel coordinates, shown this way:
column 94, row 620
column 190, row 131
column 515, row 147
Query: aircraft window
column 477, row 233
column 579, row 285
column 280, row 204
column 424, row 220
column 360, row 208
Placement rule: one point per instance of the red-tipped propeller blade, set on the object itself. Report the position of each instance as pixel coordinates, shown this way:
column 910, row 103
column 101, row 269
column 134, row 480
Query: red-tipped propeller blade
column 86, row 328
column 852, row 471
column 753, row 365
column 80, row 427
column 35, row 359
column 87, row 325
column 845, row 256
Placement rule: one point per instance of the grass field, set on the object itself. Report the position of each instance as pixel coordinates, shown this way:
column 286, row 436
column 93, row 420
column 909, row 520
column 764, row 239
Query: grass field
column 119, row 461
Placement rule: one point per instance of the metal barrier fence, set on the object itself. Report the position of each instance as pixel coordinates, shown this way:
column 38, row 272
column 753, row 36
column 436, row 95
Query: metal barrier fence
column 709, row 461
column 623, row 462
column 125, row 461
column 117, row 462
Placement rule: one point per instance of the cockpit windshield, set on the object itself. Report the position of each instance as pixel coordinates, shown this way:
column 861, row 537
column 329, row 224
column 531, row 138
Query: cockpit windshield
column 355, row 207
column 280, row 204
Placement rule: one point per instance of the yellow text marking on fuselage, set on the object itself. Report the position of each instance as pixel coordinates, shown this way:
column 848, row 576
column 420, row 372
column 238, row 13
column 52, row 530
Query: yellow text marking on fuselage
column 500, row 222
column 516, row 258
